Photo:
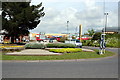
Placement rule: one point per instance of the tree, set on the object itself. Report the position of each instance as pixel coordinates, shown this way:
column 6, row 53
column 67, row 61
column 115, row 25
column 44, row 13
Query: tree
column 97, row 36
column 90, row 32
column 19, row 17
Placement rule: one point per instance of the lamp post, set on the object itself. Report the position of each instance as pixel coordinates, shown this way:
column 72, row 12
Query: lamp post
column 68, row 29
column 106, row 14
column 102, row 42
column 67, row 26
column 76, row 32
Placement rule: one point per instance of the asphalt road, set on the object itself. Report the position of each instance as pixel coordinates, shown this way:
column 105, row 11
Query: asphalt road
column 101, row 68
column 109, row 49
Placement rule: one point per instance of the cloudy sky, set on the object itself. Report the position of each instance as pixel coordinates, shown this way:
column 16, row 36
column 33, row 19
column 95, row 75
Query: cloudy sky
column 89, row 13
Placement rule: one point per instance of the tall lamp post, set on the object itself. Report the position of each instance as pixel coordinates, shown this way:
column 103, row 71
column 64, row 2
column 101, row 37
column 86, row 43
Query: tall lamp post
column 102, row 42
column 67, row 26
column 106, row 14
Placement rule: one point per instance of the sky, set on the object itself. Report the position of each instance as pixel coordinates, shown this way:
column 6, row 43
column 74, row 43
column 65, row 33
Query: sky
column 89, row 13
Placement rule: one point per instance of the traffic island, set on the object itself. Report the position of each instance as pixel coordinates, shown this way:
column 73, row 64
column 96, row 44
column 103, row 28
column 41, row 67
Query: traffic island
column 33, row 52
column 65, row 56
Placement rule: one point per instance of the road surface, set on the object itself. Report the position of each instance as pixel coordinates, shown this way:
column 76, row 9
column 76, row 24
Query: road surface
column 102, row 68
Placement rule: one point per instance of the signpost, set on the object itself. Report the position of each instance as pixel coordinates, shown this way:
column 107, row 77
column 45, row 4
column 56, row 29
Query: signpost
column 102, row 44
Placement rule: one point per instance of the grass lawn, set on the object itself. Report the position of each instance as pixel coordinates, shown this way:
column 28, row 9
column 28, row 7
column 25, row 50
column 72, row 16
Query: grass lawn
column 79, row 55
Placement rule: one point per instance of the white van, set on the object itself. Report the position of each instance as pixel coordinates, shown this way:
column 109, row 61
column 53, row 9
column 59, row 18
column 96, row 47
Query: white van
column 76, row 42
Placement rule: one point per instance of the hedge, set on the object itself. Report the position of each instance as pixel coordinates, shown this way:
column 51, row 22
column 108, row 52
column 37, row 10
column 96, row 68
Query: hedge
column 35, row 46
column 60, row 45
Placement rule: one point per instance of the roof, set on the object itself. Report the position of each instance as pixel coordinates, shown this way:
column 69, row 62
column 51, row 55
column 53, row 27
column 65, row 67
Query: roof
column 110, row 29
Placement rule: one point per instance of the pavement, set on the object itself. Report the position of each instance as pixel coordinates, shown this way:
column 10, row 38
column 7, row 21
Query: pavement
column 39, row 52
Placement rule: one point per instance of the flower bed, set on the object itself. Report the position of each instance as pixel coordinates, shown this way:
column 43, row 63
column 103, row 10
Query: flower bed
column 66, row 50
column 2, row 47
column 6, row 49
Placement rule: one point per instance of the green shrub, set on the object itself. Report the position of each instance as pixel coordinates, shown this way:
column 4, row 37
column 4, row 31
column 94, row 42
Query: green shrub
column 112, row 42
column 96, row 36
column 11, row 50
column 112, row 35
column 66, row 50
column 87, row 43
column 35, row 46
column 60, row 45
column 96, row 43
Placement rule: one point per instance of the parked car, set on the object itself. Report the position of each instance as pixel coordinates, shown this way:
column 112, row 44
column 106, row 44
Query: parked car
column 76, row 42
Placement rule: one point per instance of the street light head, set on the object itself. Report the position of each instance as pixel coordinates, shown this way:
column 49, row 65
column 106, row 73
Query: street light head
column 106, row 13
column 67, row 21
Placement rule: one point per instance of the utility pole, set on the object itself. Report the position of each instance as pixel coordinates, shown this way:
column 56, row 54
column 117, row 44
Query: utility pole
column 80, row 31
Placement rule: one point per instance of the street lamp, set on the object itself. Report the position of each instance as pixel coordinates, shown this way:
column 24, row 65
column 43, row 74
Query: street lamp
column 106, row 14
column 102, row 42
column 76, row 32
column 68, row 30
column 67, row 26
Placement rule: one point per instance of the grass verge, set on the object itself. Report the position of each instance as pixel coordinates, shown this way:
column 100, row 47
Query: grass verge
column 79, row 55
